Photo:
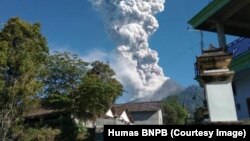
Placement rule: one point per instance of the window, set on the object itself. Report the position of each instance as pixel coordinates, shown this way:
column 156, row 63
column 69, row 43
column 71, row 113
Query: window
column 238, row 108
column 248, row 105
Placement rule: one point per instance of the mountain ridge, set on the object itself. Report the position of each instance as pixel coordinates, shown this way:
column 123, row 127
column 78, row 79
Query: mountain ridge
column 190, row 97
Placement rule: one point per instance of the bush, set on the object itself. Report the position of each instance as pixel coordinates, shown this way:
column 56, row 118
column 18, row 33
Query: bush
column 173, row 111
column 42, row 134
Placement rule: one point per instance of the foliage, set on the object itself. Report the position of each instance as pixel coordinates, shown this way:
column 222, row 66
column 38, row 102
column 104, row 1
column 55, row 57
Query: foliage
column 97, row 91
column 41, row 134
column 64, row 74
column 64, row 81
column 192, row 98
column 173, row 111
column 73, row 85
column 60, row 127
column 68, row 129
column 199, row 115
column 79, row 89
column 23, row 51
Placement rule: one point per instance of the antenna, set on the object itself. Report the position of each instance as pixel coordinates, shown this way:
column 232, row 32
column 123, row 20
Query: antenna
column 202, row 42
column 201, row 37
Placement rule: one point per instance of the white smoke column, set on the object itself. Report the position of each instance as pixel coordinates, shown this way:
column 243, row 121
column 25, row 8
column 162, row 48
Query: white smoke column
column 129, row 23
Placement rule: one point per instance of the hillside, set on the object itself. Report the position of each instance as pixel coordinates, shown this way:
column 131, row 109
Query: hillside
column 170, row 87
column 191, row 97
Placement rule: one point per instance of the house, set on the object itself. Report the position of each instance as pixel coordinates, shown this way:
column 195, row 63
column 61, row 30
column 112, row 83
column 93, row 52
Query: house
column 43, row 116
column 231, row 17
column 116, row 115
column 213, row 73
column 145, row 113
column 241, row 83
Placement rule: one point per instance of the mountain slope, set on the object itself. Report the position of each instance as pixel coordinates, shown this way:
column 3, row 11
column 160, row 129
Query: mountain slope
column 191, row 97
column 170, row 87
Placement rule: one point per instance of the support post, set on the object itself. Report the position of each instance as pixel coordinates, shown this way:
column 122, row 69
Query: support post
column 221, row 36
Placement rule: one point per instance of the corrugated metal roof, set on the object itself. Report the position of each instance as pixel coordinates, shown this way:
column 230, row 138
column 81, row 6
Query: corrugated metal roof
column 143, row 106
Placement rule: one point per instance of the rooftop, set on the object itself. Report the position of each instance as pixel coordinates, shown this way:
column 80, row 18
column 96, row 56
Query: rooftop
column 234, row 15
column 142, row 106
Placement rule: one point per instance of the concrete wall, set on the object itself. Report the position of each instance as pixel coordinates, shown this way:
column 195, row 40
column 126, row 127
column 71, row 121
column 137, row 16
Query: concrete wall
column 147, row 118
column 101, row 122
column 100, row 126
column 220, row 101
column 242, row 89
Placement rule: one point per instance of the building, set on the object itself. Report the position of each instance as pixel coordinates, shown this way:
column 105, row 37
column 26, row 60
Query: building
column 231, row 17
column 145, row 113
column 212, row 72
column 240, row 50
column 116, row 115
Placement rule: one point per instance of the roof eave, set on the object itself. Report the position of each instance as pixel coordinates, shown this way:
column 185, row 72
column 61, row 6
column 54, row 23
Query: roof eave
column 207, row 12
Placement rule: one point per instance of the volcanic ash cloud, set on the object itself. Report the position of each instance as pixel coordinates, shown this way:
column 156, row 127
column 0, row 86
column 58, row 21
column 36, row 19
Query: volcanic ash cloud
column 130, row 23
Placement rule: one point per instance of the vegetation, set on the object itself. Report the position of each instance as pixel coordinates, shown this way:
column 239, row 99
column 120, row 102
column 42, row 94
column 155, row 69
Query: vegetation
column 40, row 134
column 23, row 52
column 64, row 73
column 199, row 115
column 97, row 91
column 173, row 111
column 73, row 85
column 62, row 81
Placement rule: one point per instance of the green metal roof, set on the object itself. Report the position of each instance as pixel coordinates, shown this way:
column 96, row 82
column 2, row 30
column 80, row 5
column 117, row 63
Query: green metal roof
column 241, row 63
column 207, row 12
column 233, row 15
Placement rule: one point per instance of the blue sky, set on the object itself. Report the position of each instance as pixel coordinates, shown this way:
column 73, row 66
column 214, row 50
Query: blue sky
column 74, row 26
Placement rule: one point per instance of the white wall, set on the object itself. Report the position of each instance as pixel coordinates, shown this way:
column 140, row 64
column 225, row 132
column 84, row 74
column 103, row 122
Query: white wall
column 100, row 122
column 160, row 115
column 109, row 113
column 221, row 103
column 124, row 116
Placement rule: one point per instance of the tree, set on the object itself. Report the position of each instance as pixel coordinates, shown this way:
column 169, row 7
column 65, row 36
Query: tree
column 199, row 115
column 64, row 73
column 97, row 91
column 23, row 51
column 173, row 111
column 75, row 86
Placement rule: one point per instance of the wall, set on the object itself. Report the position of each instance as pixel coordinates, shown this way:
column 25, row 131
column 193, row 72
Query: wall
column 221, row 103
column 124, row 117
column 242, row 89
column 101, row 122
column 160, row 119
column 147, row 117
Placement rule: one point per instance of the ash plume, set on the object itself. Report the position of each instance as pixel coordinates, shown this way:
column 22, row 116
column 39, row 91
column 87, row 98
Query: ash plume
column 130, row 23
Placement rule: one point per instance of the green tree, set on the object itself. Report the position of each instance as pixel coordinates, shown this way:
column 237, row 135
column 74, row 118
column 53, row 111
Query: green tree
column 78, row 88
column 97, row 91
column 23, row 51
column 173, row 111
column 199, row 115
column 64, row 73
